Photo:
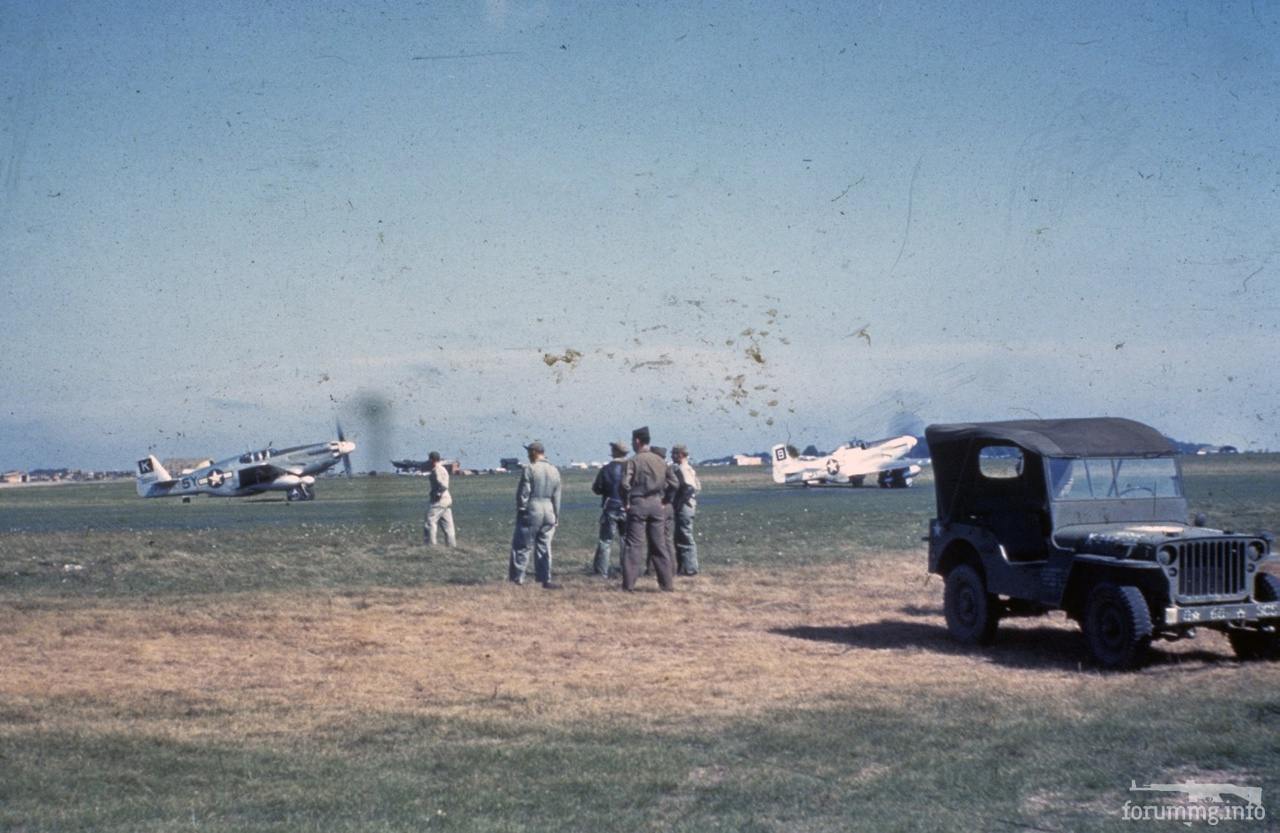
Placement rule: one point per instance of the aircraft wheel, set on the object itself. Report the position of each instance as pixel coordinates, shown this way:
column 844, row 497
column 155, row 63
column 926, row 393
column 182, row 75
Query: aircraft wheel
column 898, row 480
column 308, row 493
column 883, row 480
column 858, row 480
column 292, row 495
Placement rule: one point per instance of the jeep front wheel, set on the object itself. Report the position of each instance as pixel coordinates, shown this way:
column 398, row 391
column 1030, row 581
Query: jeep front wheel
column 1117, row 625
column 1255, row 644
column 970, row 609
column 1259, row 644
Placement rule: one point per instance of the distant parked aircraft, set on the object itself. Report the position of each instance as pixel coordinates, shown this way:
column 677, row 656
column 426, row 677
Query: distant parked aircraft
column 289, row 470
column 416, row 467
column 848, row 465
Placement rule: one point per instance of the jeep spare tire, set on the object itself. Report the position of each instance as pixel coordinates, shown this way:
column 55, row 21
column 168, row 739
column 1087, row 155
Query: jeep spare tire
column 970, row 610
column 1117, row 625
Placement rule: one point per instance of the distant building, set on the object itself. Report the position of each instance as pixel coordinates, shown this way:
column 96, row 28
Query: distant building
column 48, row 475
column 745, row 460
column 13, row 477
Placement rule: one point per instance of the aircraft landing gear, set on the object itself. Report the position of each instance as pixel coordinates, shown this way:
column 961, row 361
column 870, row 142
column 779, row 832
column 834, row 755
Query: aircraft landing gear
column 300, row 492
column 896, row 479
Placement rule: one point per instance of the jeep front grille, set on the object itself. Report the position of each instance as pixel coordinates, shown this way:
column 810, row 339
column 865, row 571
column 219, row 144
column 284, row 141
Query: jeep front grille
column 1211, row 570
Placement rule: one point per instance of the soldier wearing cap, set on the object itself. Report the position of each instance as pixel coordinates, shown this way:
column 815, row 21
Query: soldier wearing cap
column 537, row 513
column 613, row 516
column 440, row 504
column 645, row 478
column 685, row 506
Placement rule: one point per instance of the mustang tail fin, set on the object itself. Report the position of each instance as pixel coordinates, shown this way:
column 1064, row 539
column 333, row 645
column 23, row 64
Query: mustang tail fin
column 779, row 455
column 151, row 473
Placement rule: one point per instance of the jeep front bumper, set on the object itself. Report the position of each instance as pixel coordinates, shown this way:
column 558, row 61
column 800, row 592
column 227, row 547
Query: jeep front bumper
column 1240, row 612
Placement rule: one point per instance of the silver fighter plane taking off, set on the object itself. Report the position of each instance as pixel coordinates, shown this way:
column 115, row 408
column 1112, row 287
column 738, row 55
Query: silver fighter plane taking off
column 289, row 470
column 849, row 465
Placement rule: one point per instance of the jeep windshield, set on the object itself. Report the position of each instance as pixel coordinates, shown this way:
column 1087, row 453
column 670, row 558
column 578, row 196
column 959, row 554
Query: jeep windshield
column 1113, row 478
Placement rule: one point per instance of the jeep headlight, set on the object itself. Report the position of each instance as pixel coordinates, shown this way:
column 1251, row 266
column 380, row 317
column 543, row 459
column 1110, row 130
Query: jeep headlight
column 1257, row 549
column 1167, row 555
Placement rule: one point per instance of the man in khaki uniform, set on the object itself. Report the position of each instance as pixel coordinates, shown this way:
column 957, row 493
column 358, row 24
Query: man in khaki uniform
column 646, row 477
column 440, row 505
column 685, row 505
column 668, row 523
column 537, row 513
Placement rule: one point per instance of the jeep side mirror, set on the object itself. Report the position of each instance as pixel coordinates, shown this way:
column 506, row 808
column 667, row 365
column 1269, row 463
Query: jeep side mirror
column 1201, row 520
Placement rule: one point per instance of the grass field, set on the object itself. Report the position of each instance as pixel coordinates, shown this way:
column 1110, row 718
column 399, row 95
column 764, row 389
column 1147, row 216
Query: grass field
column 260, row 665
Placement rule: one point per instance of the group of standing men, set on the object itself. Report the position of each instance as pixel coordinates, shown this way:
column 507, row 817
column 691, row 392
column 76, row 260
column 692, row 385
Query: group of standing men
column 647, row 506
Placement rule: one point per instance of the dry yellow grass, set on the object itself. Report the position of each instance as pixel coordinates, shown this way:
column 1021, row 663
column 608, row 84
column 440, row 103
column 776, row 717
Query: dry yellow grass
column 720, row 648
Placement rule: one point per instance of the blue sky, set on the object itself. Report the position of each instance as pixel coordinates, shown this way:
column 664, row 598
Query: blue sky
column 223, row 227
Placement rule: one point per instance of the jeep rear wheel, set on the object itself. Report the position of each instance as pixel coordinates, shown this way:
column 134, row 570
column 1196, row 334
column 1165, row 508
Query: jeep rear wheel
column 1259, row 644
column 1117, row 625
column 969, row 608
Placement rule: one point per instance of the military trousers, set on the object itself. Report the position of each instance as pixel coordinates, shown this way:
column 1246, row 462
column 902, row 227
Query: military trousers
column 646, row 536
column 686, row 548
column 535, row 527
column 613, row 527
column 440, row 518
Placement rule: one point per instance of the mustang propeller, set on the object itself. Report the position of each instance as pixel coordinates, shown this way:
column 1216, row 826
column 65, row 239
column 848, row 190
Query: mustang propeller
column 345, row 448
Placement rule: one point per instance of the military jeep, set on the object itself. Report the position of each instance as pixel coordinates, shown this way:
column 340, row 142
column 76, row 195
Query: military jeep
column 1088, row 516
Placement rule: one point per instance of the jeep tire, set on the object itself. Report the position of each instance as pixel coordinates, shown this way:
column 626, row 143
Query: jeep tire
column 1250, row 644
column 1117, row 625
column 972, row 613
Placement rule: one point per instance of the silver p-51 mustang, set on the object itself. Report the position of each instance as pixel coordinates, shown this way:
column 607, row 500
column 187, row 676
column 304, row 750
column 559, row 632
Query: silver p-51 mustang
column 849, row 465
column 289, row 470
